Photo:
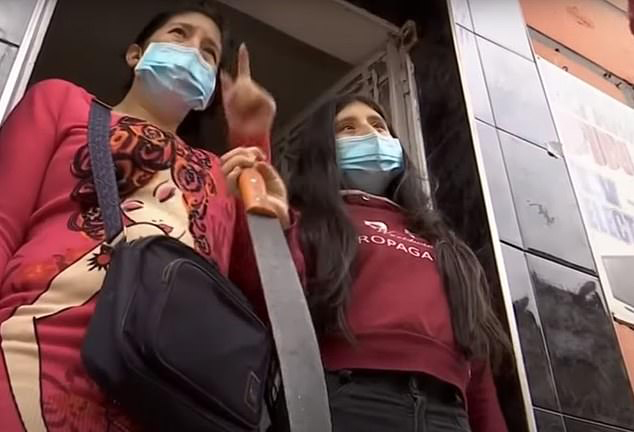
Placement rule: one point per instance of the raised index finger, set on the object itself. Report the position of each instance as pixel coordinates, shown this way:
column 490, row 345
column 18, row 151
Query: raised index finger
column 244, row 64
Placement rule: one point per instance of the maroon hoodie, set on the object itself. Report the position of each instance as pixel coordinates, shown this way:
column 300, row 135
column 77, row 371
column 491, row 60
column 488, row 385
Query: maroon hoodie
column 398, row 310
column 400, row 314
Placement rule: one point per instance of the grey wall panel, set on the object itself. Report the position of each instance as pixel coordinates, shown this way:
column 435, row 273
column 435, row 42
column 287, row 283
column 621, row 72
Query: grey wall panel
column 518, row 98
column 503, row 206
column 575, row 425
column 536, row 360
column 470, row 59
column 588, row 367
column 549, row 422
column 550, row 220
column 502, row 22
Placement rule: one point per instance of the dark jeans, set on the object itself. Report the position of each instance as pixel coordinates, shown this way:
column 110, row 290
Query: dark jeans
column 392, row 402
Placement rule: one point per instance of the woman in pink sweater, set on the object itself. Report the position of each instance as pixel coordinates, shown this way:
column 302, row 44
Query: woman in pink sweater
column 52, row 262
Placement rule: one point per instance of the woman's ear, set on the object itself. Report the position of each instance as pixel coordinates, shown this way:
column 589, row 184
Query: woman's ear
column 133, row 55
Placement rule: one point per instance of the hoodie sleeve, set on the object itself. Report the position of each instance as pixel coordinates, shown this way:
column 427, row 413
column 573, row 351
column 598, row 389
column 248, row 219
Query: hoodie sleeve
column 485, row 414
column 28, row 139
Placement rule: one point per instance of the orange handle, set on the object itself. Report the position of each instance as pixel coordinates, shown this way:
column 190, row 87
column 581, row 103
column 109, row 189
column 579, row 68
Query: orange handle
column 253, row 193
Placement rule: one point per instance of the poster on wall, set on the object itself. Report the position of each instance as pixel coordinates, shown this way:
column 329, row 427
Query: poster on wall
column 597, row 137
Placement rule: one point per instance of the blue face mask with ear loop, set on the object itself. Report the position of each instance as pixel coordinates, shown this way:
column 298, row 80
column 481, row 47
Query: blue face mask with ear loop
column 370, row 162
column 372, row 152
column 174, row 73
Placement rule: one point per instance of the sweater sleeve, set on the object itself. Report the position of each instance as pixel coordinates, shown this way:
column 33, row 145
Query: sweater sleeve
column 28, row 139
column 243, row 269
column 485, row 414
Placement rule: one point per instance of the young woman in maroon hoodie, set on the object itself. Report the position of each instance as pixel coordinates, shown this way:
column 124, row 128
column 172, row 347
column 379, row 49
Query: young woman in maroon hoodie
column 399, row 302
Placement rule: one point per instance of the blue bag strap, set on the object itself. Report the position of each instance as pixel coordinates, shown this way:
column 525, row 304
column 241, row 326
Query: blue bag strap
column 103, row 170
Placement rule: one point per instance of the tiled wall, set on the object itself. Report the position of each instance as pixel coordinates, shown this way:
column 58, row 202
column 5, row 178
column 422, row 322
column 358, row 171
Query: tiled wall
column 575, row 369
column 453, row 170
column 14, row 17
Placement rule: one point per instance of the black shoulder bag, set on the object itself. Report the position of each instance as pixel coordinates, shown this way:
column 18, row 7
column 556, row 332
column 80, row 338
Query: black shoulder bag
column 171, row 339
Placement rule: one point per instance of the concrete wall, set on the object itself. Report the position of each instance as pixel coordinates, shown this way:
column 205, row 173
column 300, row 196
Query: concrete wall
column 574, row 365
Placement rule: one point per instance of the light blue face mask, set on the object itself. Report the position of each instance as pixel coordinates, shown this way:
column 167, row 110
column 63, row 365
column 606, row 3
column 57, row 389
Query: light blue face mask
column 371, row 152
column 177, row 74
column 369, row 163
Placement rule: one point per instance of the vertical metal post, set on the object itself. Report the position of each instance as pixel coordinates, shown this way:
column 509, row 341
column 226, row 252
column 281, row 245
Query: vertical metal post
column 404, row 104
column 395, row 83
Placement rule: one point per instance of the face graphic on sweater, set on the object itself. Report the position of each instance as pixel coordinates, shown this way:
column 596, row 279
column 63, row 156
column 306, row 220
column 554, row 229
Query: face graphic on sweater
column 160, row 203
column 156, row 208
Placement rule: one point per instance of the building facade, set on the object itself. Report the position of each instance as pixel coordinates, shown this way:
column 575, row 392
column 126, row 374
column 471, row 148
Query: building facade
column 539, row 94
column 520, row 115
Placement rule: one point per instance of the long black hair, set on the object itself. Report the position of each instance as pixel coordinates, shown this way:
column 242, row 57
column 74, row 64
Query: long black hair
column 330, row 240
column 192, row 129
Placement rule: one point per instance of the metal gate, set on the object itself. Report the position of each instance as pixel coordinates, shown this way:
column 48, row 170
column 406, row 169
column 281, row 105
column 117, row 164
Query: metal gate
column 388, row 78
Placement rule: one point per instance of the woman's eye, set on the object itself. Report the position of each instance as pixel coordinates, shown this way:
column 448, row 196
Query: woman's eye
column 210, row 54
column 178, row 32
